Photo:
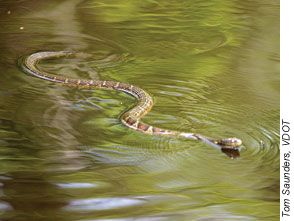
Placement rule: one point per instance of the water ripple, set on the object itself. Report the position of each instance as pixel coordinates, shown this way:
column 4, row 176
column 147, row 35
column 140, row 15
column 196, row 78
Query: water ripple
column 103, row 203
column 76, row 185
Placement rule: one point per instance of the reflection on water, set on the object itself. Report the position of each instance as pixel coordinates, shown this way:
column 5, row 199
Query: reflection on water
column 211, row 67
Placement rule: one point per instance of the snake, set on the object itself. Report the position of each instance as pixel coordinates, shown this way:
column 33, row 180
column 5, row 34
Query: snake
column 130, row 118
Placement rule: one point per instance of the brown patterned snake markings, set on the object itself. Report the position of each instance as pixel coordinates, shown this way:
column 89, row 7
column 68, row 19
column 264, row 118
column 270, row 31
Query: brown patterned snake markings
column 131, row 118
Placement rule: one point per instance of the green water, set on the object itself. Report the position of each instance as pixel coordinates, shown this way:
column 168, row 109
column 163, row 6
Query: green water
column 212, row 67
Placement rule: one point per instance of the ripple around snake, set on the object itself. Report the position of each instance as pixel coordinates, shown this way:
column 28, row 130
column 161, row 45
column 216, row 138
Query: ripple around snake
column 208, row 113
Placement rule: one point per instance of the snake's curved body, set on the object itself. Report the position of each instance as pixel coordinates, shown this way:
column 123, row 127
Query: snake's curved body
column 131, row 118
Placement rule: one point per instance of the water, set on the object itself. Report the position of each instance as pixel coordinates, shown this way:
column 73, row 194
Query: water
column 212, row 67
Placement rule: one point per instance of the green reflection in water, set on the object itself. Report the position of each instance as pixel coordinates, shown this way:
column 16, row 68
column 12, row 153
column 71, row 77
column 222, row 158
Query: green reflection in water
column 212, row 67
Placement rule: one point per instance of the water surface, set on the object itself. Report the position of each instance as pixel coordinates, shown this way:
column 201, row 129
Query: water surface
column 212, row 67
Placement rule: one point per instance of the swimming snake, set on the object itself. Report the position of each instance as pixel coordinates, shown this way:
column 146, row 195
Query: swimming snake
column 131, row 118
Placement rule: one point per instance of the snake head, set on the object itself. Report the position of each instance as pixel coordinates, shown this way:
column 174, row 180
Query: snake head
column 229, row 143
column 230, row 146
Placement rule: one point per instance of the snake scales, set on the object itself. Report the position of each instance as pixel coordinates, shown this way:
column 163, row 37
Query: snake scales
column 132, row 117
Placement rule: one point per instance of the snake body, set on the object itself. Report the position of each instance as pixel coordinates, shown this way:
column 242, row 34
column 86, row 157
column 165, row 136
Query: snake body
column 132, row 117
